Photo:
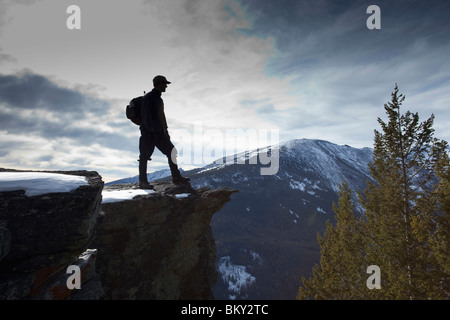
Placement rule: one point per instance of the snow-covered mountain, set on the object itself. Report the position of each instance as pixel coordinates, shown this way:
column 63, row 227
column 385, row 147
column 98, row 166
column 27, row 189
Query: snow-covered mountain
column 266, row 236
column 307, row 165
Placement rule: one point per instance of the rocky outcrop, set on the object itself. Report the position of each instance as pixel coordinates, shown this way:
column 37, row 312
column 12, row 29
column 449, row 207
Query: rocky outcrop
column 42, row 235
column 154, row 246
column 159, row 246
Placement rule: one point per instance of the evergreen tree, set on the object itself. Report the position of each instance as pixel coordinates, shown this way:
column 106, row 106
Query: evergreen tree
column 437, row 249
column 405, row 230
column 341, row 275
column 401, row 205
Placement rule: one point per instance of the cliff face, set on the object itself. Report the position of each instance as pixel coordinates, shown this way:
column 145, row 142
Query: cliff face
column 159, row 246
column 155, row 246
column 41, row 235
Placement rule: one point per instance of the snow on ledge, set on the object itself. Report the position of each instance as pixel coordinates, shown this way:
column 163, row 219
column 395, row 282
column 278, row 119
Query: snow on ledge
column 38, row 183
column 128, row 194
column 122, row 195
column 182, row 195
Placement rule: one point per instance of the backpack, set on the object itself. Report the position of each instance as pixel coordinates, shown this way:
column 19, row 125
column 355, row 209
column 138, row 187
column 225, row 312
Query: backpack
column 133, row 110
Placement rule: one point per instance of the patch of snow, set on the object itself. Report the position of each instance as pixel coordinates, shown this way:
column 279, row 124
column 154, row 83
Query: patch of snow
column 213, row 166
column 297, row 185
column 122, row 195
column 182, row 195
column 235, row 276
column 293, row 213
column 38, row 183
column 256, row 257
column 315, row 186
column 321, row 210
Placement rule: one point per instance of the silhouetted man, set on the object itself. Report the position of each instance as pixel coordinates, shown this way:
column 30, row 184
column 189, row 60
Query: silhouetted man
column 154, row 134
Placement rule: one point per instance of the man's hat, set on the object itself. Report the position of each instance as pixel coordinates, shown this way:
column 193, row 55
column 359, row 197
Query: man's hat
column 160, row 79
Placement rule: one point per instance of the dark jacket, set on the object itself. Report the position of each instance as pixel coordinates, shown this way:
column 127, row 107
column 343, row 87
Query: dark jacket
column 152, row 112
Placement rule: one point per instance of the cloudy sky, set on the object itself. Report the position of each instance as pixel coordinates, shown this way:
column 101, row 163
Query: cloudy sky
column 245, row 74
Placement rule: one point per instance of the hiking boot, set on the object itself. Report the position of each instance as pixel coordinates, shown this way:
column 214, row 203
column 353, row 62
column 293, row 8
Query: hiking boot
column 145, row 185
column 176, row 175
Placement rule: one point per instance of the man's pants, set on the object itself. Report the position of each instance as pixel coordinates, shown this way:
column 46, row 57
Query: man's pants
column 147, row 143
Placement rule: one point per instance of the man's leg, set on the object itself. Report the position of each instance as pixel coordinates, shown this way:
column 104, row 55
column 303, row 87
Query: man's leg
column 168, row 149
column 146, row 148
column 176, row 175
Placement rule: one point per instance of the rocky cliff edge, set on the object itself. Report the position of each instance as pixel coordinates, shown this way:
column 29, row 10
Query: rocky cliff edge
column 158, row 245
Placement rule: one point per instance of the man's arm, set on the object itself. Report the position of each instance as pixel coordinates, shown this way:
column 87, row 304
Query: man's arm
column 162, row 119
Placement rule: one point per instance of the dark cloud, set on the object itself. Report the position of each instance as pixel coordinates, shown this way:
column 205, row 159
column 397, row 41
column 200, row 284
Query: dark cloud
column 309, row 33
column 32, row 91
column 6, row 58
column 33, row 105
